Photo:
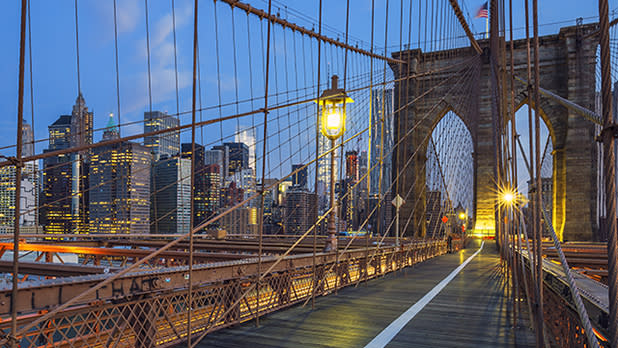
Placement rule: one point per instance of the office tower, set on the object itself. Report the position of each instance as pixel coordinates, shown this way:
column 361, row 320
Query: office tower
column 165, row 143
column 299, row 180
column 56, row 197
column 283, row 189
column 30, row 175
column 231, row 195
column 120, row 188
column 200, row 183
column 111, row 130
column 27, row 138
column 218, row 156
column 81, row 123
column 171, row 195
column 351, row 165
column 246, row 136
column 212, row 187
column 242, row 220
column 300, row 211
column 64, row 202
column 238, row 156
column 244, row 180
column 186, row 149
column 381, row 136
column 324, row 145
column 272, row 210
column 28, row 196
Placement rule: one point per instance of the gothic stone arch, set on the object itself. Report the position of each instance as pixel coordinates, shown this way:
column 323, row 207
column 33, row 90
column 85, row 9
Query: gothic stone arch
column 460, row 80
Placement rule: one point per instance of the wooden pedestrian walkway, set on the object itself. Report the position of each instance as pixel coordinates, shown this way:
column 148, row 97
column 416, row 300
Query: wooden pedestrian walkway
column 470, row 311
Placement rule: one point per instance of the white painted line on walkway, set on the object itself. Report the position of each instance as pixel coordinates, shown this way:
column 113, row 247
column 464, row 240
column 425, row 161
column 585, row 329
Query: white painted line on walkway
column 393, row 329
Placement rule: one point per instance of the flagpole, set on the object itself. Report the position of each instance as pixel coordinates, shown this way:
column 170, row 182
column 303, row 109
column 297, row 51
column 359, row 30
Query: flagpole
column 487, row 27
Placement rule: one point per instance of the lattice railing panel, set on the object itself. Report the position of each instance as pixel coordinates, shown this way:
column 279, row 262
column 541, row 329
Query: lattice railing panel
column 160, row 318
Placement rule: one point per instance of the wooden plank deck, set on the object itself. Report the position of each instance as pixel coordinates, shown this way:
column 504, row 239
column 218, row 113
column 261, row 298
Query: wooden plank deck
column 471, row 311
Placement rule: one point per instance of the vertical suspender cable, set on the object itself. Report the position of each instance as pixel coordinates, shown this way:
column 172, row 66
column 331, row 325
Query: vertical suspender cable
column 18, row 166
column 514, row 234
column 193, row 104
column 317, row 152
column 609, row 161
column 117, row 70
column 538, row 323
column 368, row 188
column 36, row 193
column 380, row 212
column 537, row 189
column 261, row 214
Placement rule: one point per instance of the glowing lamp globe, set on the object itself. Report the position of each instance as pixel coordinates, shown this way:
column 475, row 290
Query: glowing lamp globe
column 333, row 121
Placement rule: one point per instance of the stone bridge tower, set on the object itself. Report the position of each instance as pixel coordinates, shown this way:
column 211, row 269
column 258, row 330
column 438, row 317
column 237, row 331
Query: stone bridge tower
column 459, row 80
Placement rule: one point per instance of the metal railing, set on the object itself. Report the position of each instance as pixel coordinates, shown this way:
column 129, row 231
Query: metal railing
column 156, row 315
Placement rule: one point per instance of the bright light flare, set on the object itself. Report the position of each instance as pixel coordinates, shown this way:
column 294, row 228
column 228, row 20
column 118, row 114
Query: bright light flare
column 509, row 197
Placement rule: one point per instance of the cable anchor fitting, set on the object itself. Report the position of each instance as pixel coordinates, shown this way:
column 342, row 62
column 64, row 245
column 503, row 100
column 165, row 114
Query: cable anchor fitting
column 613, row 129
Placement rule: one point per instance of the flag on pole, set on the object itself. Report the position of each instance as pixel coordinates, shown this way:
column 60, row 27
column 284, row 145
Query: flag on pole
column 482, row 12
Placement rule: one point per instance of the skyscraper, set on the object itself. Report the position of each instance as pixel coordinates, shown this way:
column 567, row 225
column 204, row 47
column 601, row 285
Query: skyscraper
column 27, row 137
column 238, row 157
column 56, row 198
column 218, row 156
column 165, row 143
column 212, row 185
column 30, row 176
column 244, row 180
column 351, row 165
column 200, row 195
column 299, row 180
column 120, row 189
column 111, row 130
column 324, row 145
column 381, row 109
column 81, row 123
column 65, row 177
column 171, row 195
column 300, row 211
column 7, row 200
column 246, row 136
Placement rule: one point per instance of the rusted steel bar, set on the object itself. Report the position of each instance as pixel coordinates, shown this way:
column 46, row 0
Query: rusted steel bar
column 55, row 269
column 537, row 176
column 278, row 20
column 18, row 165
column 609, row 162
column 464, row 25
column 193, row 155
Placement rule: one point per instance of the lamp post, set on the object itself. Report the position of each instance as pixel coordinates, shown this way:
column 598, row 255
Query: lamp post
column 332, row 126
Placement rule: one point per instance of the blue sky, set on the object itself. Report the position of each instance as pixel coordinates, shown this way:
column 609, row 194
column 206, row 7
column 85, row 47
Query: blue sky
column 54, row 58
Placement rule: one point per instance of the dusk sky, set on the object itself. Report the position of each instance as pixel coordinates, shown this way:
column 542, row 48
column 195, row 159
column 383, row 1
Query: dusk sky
column 54, row 58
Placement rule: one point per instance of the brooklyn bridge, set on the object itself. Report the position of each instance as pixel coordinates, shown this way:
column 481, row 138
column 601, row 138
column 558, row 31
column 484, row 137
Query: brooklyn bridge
column 267, row 173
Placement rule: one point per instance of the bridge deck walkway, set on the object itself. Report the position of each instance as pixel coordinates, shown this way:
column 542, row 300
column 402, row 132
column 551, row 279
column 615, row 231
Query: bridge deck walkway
column 471, row 311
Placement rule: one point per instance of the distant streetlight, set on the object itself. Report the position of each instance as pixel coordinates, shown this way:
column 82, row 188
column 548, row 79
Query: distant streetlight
column 332, row 126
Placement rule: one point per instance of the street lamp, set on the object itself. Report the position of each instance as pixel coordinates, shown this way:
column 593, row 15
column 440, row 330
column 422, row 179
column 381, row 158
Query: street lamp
column 332, row 126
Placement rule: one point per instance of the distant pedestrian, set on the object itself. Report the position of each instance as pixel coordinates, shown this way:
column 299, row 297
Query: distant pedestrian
column 449, row 243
